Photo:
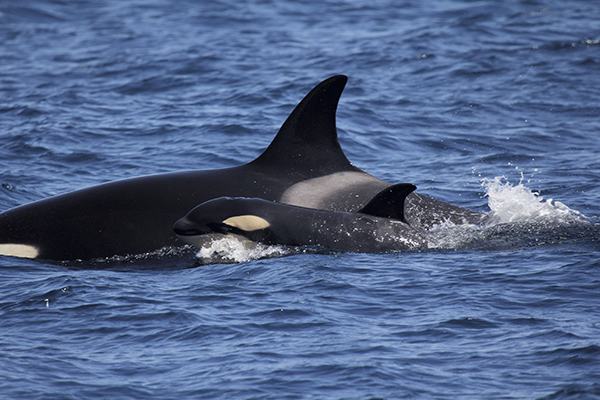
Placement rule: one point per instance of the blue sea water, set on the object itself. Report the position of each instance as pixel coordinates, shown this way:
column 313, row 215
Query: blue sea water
column 487, row 105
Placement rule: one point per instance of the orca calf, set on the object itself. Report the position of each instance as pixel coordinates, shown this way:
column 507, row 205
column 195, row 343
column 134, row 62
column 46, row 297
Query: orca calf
column 378, row 227
column 303, row 166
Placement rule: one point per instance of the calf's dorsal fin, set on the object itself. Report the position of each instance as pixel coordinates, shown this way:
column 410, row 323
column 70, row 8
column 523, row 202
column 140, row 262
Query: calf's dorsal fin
column 389, row 203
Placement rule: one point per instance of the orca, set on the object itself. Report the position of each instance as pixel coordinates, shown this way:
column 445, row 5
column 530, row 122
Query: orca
column 380, row 226
column 303, row 166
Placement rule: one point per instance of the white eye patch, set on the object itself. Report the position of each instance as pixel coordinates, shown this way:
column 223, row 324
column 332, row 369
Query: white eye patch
column 19, row 250
column 247, row 222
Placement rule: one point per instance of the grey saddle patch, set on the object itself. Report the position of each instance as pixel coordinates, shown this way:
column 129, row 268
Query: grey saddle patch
column 340, row 191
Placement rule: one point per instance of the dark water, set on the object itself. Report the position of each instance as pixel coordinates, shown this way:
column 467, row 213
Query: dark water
column 449, row 95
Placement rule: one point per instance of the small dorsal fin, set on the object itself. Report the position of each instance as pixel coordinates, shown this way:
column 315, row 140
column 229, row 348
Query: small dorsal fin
column 389, row 203
column 307, row 140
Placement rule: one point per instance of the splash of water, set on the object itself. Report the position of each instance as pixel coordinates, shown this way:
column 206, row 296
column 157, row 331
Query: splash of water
column 518, row 216
column 517, row 203
column 231, row 249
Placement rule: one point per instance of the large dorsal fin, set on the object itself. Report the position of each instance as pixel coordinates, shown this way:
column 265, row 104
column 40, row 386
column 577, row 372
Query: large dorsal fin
column 307, row 140
column 389, row 203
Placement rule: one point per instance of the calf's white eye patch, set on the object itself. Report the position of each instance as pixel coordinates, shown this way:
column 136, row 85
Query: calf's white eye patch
column 247, row 222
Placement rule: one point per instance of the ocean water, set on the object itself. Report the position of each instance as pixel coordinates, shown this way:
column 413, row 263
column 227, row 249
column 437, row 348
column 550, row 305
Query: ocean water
column 493, row 106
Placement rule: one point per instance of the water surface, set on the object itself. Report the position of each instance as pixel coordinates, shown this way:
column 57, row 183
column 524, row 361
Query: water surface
column 479, row 104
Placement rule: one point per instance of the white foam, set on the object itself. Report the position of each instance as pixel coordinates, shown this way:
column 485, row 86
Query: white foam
column 518, row 203
column 233, row 249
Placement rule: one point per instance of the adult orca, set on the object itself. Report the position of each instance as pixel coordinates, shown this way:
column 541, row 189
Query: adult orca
column 378, row 227
column 303, row 166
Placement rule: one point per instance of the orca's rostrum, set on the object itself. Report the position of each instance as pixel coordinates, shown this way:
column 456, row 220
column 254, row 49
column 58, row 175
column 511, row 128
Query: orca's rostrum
column 303, row 166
